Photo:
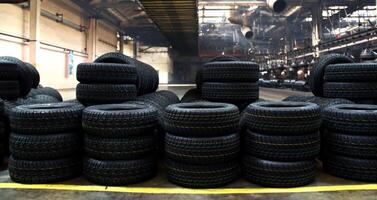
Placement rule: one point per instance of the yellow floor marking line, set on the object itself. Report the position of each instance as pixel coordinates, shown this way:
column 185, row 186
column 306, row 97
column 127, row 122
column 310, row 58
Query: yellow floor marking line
column 219, row 191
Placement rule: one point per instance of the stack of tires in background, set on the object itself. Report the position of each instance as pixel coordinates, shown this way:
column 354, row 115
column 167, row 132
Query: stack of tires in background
column 281, row 142
column 119, row 143
column 114, row 78
column 351, row 141
column 338, row 76
column 202, row 144
column 45, row 142
column 230, row 81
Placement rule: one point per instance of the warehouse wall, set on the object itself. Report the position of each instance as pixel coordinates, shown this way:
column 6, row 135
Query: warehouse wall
column 54, row 61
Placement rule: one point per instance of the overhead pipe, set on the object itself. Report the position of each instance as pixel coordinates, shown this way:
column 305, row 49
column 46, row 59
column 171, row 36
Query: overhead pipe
column 60, row 19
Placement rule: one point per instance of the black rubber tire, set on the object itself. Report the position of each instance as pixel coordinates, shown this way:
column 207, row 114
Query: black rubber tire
column 116, row 173
column 46, row 118
column 282, row 148
column 35, row 75
column 111, row 73
column 283, row 118
column 148, row 78
column 119, row 149
column 201, row 119
column 9, row 90
column 44, row 147
column 355, row 146
column 236, row 71
column 191, row 96
column 202, row 176
column 224, row 59
column 200, row 151
column 38, row 99
column 91, row 94
column 350, row 90
column 44, row 171
column 169, row 95
column 52, row 92
column 350, row 168
column 24, row 75
column 320, row 101
column 115, row 57
column 8, row 71
column 355, row 119
column 317, row 75
column 119, row 120
column 279, row 174
column 230, row 92
column 351, row 72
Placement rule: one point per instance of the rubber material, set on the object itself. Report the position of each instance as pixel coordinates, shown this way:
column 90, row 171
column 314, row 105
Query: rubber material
column 283, row 118
column 201, row 119
column 111, row 73
column 317, row 76
column 47, row 171
column 230, row 92
column 355, row 119
column 119, row 149
column 279, row 174
column 116, row 173
column 351, row 72
column 210, row 150
column 283, row 148
column 351, row 168
column 119, row 120
column 105, row 93
column 46, row 118
column 202, row 176
column 236, row 71
column 350, row 90
column 44, row 147
column 9, row 90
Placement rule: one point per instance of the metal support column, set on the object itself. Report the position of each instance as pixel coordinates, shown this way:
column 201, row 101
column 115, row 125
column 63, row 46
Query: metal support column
column 35, row 33
column 317, row 28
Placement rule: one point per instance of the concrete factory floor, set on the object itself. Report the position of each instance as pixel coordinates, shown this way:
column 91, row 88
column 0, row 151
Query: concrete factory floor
column 325, row 186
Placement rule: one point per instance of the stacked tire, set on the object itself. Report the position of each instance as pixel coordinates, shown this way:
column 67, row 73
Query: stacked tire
column 354, row 81
column 191, row 96
column 106, row 83
column 45, row 143
column 351, row 141
column 147, row 79
column 16, row 78
column 119, row 143
column 202, row 144
column 281, row 142
column 230, row 82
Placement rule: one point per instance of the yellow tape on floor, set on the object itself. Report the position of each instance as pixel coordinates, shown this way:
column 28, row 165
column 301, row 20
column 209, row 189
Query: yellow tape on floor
column 152, row 190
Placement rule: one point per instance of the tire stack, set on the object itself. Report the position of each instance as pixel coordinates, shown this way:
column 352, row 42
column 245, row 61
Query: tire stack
column 230, row 82
column 202, row 144
column 351, row 141
column 354, row 81
column 119, row 143
column 147, row 76
column 191, row 96
column 106, row 83
column 45, row 143
column 16, row 78
column 281, row 143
